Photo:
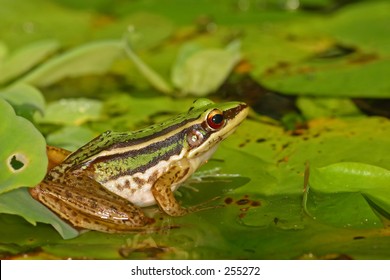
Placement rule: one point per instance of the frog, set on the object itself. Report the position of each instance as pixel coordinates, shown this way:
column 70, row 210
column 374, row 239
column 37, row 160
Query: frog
column 105, row 184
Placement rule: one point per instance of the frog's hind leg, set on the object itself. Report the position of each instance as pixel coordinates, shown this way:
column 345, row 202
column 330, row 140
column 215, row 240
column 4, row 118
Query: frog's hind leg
column 88, row 205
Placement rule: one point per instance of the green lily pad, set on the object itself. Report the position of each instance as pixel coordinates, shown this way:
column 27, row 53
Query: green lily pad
column 70, row 137
column 148, row 30
column 312, row 107
column 42, row 20
column 33, row 211
column 371, row 32
column 361, row 72
column 71, row 111
column 324, row 51
column 25, row 99
column 353, row 210
column 25, row 58
column 201, row 71
column 354, row 77
column 350, row 177
column 93, row 58
column 22, row 163
column 354, row 177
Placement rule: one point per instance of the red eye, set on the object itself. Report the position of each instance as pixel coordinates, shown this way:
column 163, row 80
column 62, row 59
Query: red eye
column 215, row 119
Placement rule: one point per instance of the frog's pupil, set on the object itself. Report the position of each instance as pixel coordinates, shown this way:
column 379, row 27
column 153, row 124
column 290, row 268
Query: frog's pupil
column 217, row 118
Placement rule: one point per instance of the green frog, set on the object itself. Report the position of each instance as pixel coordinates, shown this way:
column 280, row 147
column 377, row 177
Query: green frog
column 104, row 184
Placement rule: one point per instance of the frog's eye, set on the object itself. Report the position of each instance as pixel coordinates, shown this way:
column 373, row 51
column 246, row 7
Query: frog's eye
column 215, row 119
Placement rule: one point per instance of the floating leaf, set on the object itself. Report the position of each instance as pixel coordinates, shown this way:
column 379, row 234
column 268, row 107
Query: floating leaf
column 350, row 177
column 24, row 98
column 372, row 31
column 344, row 210
column 148, row 30
column 25, row 58
column 93, row 58
column 3, row 51
column 354, row 177
column 71, row 111
column 19, row 202
column 312, row 107
column 178, row 75
column 304, row 52
column 22, row 162
column 363, row 76
column 358, row 66
column 203, row 71
column 70, row 137
column 152, row 76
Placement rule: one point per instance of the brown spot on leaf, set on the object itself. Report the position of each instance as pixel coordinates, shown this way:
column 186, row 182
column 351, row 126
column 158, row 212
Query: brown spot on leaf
column 242, row 201
column 358, row 237
column 242, row 215
column 364, row 58
column 255, row 203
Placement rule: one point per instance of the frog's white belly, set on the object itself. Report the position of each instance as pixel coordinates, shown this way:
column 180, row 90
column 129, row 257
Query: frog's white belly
column 136, row 188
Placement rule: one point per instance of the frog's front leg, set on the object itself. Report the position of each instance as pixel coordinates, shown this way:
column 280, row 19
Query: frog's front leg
column 163, row 193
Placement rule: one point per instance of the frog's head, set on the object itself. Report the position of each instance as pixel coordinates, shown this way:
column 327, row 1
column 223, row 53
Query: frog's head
column 211, row 123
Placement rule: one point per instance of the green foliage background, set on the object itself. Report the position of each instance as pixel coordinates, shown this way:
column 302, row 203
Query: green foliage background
column 306, row 181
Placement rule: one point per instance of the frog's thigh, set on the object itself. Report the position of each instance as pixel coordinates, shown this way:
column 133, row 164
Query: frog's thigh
column 162, row 189
column 96, row 211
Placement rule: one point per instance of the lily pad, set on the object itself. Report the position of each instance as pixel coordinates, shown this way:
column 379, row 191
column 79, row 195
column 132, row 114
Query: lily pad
column 324, row 51
column 25, row 99
column 200, row 72
column 312, row 107
column 93, row 58
column 354, row 177
column 353, row 210
column 71, row 111
column 70, row 137
column 33, row 211
column 371, row 31
column 359, row 70
column 25, row 58
column 22, row 163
